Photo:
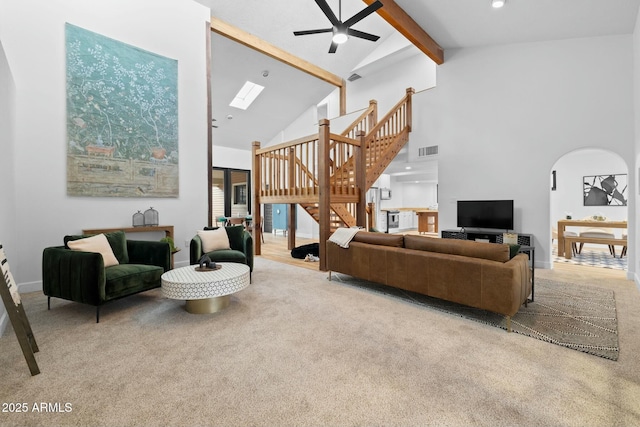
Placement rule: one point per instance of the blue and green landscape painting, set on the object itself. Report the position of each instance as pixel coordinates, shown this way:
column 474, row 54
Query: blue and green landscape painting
column 122, row 118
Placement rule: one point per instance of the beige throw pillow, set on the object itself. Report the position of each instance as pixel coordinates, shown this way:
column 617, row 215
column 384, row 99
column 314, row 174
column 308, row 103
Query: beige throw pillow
column 214, row 240
column 97, row 243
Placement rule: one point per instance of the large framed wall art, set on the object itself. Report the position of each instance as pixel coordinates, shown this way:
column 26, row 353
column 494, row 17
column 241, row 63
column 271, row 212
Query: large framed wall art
column 605, row 190
column 122, row 118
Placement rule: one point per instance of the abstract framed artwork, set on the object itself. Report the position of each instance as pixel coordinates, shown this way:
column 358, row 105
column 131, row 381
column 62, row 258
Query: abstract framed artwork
column 605, row 190
column 122, row 118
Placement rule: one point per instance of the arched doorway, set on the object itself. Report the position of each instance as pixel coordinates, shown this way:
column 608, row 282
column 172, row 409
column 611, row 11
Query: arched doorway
column 590, row 184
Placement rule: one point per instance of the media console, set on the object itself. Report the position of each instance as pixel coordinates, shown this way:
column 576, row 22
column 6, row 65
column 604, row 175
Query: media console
column 493, row 236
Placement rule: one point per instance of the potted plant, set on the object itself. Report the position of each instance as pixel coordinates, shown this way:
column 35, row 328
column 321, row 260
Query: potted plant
column 169, row 240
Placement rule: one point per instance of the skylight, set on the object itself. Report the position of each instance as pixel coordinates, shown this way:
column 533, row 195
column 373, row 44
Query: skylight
column 247, row 94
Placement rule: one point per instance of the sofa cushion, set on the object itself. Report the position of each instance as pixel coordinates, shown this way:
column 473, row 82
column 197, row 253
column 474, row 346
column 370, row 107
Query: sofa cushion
column 382, row 239
column 483, row 250
column 235, row 233
column 127, row 279
column 97, row 243
column 117, row 240
column 228, row 255
column 214, row 240
column 513, row 250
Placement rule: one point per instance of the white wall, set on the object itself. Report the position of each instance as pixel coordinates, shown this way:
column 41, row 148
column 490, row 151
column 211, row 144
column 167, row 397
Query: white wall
column 503, row 115
column 32, row 34
column 233, row 158
column 570, row 170
column 8, row 231
column 636, row 98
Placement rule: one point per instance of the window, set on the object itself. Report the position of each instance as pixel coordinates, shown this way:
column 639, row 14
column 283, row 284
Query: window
column 240, row 194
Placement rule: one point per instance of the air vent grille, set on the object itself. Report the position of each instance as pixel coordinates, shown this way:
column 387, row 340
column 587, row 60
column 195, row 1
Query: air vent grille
column 428, row 151
column 354, row 77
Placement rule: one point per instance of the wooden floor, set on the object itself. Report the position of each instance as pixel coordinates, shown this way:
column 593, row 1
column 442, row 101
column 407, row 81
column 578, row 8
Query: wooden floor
column 275, row 248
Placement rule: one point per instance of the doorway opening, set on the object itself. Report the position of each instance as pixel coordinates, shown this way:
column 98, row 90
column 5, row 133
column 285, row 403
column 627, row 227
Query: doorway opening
column 589, row 192
column 230, row 193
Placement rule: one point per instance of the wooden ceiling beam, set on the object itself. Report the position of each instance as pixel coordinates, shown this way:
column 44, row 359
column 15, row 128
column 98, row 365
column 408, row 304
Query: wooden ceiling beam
column 236, row 34
column 401, row 21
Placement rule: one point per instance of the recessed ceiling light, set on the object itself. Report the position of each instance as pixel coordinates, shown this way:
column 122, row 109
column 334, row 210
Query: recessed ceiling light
column 247, row 94
column 407, row 167
column 497, row 4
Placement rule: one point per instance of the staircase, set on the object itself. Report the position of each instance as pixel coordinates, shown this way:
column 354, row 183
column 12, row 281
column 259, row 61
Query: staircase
column 383, row 140
column 328, row 174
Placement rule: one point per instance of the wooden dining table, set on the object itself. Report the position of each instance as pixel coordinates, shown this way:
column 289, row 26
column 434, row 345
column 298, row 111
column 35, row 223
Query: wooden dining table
column 589, row 223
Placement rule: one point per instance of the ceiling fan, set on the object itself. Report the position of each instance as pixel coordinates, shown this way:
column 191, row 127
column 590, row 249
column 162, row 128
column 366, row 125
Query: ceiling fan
column 341, row 29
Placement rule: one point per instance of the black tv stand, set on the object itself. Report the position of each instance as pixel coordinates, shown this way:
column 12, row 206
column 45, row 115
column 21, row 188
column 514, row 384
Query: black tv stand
column 480, row 234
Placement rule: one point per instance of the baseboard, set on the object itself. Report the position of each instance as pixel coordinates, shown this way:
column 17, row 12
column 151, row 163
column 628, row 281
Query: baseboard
column 635, row 278
column 544, row 265
column 24, row 288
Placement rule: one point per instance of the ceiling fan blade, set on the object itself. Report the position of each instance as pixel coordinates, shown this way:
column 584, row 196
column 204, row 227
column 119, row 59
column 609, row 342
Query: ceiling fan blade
column 362, row 35
column 333, row 48
column 328, row 12
column 363, row 13
column 306, row 32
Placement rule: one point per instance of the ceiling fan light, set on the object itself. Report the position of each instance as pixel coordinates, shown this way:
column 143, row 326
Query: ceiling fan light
column 497, row 3
column 340, row 37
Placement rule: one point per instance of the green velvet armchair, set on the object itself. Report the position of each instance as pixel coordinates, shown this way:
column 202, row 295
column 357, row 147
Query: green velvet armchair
column 82, row 277
column 241, row 244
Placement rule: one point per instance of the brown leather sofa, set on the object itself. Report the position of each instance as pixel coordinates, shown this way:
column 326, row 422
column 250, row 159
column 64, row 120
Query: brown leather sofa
column 476, row 274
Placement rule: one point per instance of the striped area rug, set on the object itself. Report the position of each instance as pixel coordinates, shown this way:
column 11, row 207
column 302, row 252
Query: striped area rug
column 578, row 317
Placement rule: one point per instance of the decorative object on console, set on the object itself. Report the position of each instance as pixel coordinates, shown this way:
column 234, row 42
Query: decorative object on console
column 510, row 238
column 138, row 219
column 151, row 217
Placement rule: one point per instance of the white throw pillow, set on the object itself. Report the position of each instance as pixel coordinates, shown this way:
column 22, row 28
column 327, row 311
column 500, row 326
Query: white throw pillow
column 97, row 243
column 214, row 240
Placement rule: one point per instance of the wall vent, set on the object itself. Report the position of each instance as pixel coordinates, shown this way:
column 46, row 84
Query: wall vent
column 354, row 77
column 428, row 151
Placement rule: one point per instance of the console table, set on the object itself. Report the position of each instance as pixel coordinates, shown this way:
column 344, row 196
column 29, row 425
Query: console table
column 493, row 236
column 168, row 232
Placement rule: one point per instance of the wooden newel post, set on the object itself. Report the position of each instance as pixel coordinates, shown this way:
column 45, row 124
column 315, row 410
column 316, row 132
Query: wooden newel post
column 291, row 214
column 410, row 92
column 324, row 140
column 256, row 215
column 360, row 156
column 373, row 117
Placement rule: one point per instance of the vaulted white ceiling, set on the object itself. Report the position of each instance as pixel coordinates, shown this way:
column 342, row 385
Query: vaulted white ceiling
column 452, row 23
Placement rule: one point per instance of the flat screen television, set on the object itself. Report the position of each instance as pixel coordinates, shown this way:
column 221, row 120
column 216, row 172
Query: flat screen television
column 494, row 214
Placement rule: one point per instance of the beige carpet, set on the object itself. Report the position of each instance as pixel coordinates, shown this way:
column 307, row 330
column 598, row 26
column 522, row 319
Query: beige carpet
column 294, row 350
